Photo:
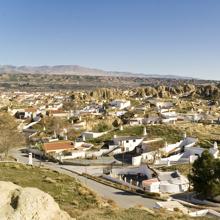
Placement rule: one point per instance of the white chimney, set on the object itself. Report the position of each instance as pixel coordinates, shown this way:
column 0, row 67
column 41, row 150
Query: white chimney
column 83, row 137
column 61, row 158
column 30, row 161
column 144, row 131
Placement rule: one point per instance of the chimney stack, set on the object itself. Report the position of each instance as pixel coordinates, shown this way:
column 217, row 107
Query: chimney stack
column 144, row 131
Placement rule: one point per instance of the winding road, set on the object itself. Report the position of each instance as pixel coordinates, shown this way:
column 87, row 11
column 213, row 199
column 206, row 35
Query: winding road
column 121, row 198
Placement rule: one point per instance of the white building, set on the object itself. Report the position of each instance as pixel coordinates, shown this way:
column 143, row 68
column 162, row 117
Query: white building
column 172, row 182
column 188, row 153
column 127, row 143
column 136, row 121
column 121, row 104
column 90, row 135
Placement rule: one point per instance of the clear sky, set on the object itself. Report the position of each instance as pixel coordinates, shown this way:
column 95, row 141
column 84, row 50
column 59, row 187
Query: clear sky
column 180, row 37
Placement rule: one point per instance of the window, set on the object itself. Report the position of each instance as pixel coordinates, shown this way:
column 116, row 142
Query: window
column 127, row 141
column 134, row 140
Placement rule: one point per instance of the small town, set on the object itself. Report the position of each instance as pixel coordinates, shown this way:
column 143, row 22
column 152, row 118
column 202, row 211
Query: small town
column 140, row 144
column 109, row 110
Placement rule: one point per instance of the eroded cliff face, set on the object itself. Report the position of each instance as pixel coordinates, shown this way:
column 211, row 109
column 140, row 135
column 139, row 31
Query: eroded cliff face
column 197, row 91
column 211, row 91
column 17, row 203
column 99, row 94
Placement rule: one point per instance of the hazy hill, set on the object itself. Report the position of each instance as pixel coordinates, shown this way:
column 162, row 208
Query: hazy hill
column 76, row 70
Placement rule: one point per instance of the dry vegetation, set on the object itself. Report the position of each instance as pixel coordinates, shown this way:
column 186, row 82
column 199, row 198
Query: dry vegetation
column 204, row 133
column 168, row 133
column 74, row 198
column 10, row 137
column 184, row 169
column 71, row 195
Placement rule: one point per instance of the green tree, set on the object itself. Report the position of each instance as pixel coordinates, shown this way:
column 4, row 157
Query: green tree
column 102, row 127
column 205, row 176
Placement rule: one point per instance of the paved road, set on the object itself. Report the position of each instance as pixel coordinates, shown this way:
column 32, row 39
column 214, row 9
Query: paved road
column 121, row 198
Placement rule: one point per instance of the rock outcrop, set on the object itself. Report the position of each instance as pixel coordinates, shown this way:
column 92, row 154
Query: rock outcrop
column 210, row 91
column 206, row 91
column 17, row 203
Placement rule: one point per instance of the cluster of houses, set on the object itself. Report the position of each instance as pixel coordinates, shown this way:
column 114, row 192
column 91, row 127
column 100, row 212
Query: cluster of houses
column 138, row 166
column 150, row 180
column 51, row 104
column 136, row 172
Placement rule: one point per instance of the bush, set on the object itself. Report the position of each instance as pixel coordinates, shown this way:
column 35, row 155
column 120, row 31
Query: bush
column 102, row 127
column 205, row 176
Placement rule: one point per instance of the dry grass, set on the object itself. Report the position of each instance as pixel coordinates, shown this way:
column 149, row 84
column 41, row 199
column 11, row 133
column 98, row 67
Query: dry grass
column 67, row 191
column 76, row 199
column 183, row 168
column 204, row 133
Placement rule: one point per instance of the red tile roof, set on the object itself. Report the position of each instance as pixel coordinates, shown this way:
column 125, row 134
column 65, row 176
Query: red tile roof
column 150, row 181
column 30, row 109
column 58, row 145
column 56, row 111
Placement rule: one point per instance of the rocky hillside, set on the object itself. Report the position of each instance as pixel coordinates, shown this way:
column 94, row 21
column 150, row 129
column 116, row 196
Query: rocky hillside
column 19, row 203
column 209, row 91
column 86, row 79
column 98, row 94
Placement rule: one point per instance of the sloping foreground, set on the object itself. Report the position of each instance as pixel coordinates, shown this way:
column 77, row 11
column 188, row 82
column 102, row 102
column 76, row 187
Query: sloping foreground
column 78, row 201
column 17, row 203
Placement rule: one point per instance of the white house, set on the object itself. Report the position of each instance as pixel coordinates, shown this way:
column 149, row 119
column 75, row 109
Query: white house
column 136, row 121
column 197, row 151
column 122, row 144
column 188, row 153
column 194, row 117
column 153, row 181
column 151, row 185
column 174, row 152
column 169, row 117
column 89, row 110
column 90, row 135
column 151, row 120
column 127, row 143
column 121, row 104
column 55, row 106
column 172, row 182
column 120, row 113
column 161, row 104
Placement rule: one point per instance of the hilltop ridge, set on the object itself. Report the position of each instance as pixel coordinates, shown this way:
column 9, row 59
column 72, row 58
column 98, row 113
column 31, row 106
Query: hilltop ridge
column 78, row 70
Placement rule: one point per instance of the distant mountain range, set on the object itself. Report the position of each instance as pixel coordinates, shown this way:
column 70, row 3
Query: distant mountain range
column 77, row 70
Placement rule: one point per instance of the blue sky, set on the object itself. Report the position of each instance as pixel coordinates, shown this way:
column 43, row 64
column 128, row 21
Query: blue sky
column 147, row 36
